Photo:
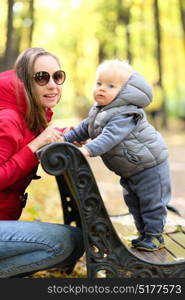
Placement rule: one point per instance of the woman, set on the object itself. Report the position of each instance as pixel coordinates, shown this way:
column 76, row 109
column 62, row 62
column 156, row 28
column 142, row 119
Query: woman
column 27, row 96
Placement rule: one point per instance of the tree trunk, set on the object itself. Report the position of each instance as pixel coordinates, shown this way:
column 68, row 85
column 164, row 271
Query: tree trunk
column 182, row 14
column 158, row 55
column 123, row 17
column 8, row 57
column 129, row 52
column 31, row 6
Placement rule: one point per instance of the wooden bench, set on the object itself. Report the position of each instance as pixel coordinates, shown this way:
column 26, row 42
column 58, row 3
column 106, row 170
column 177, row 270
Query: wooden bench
column 107, row 240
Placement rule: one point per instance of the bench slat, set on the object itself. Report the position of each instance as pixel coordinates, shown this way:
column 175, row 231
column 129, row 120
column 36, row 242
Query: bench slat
column 179, row 237
column 174, row 248
column 160, row 256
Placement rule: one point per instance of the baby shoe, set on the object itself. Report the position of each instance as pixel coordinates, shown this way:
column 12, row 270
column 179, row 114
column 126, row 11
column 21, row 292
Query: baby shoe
column 151, row 243
column 138, row 239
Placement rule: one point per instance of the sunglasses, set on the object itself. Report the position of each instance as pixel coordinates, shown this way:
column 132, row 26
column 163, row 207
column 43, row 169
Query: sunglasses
column 42, row 77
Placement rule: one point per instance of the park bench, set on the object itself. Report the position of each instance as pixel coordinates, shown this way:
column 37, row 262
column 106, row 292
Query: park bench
column 106, row 239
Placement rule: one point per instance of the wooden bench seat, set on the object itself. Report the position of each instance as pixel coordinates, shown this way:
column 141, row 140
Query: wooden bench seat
column 174, row 241
column 107, row 240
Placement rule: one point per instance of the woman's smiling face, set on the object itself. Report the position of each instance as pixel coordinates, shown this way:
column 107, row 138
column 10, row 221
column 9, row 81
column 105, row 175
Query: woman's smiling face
column 48, row 94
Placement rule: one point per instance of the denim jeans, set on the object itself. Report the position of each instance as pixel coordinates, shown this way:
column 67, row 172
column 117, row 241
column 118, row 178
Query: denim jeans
column 32, row 246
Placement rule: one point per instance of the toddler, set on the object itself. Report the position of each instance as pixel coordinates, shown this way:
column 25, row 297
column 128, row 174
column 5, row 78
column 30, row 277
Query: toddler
column 129, row 146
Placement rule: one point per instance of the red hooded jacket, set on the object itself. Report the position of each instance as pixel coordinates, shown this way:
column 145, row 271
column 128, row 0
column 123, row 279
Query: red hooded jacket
column 17, row 162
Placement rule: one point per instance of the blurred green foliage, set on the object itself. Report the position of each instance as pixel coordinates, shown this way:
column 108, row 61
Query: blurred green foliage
column 83, row 32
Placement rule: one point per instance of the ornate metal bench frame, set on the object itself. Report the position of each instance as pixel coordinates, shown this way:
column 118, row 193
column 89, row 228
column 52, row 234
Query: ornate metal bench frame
column 82, row 204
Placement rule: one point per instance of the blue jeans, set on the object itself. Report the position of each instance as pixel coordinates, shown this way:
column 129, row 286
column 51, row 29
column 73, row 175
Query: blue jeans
column 32, row 246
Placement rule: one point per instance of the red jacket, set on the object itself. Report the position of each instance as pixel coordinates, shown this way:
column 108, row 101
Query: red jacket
column 17, row 162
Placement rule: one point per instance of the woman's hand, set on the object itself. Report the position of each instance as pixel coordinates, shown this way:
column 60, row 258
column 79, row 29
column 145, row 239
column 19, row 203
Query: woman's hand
column 49, row 135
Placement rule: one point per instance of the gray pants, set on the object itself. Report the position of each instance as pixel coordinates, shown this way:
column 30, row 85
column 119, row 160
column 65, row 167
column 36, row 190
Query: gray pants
column 147, row 195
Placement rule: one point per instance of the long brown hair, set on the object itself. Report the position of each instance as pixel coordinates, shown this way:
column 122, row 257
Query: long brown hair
column 35, row 113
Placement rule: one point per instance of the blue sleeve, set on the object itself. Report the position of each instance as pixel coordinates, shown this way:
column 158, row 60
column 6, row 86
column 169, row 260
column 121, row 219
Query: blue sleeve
column 79, row 133
column 112, row 134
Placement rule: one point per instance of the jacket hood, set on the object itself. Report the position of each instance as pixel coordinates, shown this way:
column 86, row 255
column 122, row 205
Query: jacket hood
column 12, row 94
column 135, row 92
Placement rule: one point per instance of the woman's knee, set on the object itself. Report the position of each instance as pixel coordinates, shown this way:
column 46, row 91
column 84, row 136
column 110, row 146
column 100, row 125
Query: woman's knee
column 62, row 239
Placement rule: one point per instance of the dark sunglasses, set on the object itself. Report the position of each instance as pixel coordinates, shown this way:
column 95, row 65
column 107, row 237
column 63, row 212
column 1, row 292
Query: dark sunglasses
column 42, row 77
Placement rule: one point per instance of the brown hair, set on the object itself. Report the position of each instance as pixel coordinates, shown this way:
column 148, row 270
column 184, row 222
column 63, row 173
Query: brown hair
column 35, row 113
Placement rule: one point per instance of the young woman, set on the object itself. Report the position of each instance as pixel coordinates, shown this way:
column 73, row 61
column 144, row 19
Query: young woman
column 27, row 95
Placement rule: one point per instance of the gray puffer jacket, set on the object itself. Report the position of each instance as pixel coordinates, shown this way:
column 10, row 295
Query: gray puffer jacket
column 120, row 132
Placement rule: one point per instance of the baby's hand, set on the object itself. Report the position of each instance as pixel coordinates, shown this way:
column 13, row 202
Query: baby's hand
column 64, row 129
column 79, row 144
